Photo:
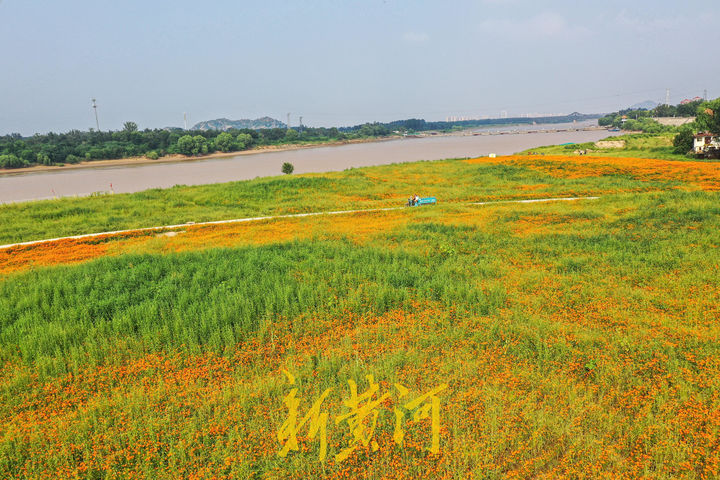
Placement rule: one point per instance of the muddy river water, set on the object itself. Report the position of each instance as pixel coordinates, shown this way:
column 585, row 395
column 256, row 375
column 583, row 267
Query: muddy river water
column 134, row 178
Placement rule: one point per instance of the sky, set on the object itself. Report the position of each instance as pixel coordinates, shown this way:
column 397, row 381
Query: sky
column 344, row 62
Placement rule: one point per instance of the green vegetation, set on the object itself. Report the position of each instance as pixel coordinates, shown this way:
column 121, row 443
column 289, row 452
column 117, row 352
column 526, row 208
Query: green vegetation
column 287, row 168
column 683, row 141
column 161, row 302
column 577, row 339
column 12, row 161
column 708, row 117
column 656, row 141
column 381, row 186
column 642, row 119
column 71, row 147
column 638, row 145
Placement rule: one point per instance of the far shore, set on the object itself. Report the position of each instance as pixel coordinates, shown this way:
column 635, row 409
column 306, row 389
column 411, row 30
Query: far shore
column 184, row 158
column 263, row 149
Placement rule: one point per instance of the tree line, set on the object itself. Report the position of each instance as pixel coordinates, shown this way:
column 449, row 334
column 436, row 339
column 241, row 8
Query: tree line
column 75, row 146
column 706, row 113
column 643, row 119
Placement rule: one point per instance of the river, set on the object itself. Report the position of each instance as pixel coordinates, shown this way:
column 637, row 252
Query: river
column 133, row 178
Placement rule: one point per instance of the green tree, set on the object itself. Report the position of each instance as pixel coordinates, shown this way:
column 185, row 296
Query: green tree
column 130, row 127
column 12, row 161
column 44, row 159
column 688, row 109
column 225, row 142
column 291, row 135
column 244, row 141
column 288, row 168
column 185, row 145
column 606, row 121
column 665, row 111
column 683, row 141
column 27, row 155
column 200, row 145
column 708, row 116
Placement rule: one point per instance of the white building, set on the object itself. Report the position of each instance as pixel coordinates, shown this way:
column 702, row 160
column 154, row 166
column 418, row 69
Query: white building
column 704, row 142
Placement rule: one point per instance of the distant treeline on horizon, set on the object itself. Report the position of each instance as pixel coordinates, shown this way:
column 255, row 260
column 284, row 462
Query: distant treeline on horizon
column 75, row 146
column 420, row 125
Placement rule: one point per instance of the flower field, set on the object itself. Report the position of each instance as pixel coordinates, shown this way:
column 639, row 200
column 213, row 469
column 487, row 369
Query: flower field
column 576, row 339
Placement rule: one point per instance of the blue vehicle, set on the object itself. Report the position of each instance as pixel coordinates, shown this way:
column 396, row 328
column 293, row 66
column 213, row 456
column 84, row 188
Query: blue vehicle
column 421, row 201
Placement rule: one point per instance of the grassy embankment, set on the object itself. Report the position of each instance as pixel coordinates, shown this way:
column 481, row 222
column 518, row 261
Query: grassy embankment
column 578, row 339
column 385, row 186
column 638, row 145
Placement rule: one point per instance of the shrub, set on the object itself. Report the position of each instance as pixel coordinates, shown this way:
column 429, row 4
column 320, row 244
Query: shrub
column 683, row 141
column 11, row 161
column 152, row 155
column 288, row 168
column 72, row 159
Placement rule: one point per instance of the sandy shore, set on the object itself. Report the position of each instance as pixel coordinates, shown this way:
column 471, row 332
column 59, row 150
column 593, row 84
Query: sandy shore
column 182, row 158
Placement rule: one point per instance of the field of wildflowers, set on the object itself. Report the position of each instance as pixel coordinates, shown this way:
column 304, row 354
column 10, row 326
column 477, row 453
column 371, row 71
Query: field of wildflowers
column 575, row 339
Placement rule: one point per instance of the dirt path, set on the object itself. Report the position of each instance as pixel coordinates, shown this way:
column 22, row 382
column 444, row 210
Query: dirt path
column 273, row 217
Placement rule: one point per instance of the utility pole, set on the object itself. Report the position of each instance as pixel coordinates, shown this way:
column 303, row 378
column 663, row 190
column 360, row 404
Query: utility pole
column 97, row 123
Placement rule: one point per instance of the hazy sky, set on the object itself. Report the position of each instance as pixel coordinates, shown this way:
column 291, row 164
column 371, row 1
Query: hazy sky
column 340, row 62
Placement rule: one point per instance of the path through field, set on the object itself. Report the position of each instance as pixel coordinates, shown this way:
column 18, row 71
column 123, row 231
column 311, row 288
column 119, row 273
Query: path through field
column 256, row 219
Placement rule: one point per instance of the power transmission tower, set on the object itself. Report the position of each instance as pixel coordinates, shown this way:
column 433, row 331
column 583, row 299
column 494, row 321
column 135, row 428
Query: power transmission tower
column 300, row 122
column 185, row 118
column 667, row 96
column 288, row 121
column 705, row 95
column 97, row 123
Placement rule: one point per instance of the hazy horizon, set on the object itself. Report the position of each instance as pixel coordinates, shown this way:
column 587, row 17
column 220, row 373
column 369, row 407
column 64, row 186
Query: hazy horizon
column 342, row 64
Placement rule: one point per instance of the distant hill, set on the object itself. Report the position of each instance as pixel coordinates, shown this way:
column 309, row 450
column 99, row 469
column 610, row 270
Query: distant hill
column 226, row 124
column 646, row 105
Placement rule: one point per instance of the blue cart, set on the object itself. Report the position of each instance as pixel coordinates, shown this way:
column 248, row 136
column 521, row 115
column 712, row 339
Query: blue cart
column 422, row 201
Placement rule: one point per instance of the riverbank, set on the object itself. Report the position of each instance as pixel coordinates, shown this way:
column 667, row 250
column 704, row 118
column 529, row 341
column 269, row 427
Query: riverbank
column 115, row 178
column 130, row 161
column 134, row 161
column 629, row 144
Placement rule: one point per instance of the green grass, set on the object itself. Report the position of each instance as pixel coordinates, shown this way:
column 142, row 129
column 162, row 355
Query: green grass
column 638, row 145
column 373, row 187
column 577, row 339
column 217, row 298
